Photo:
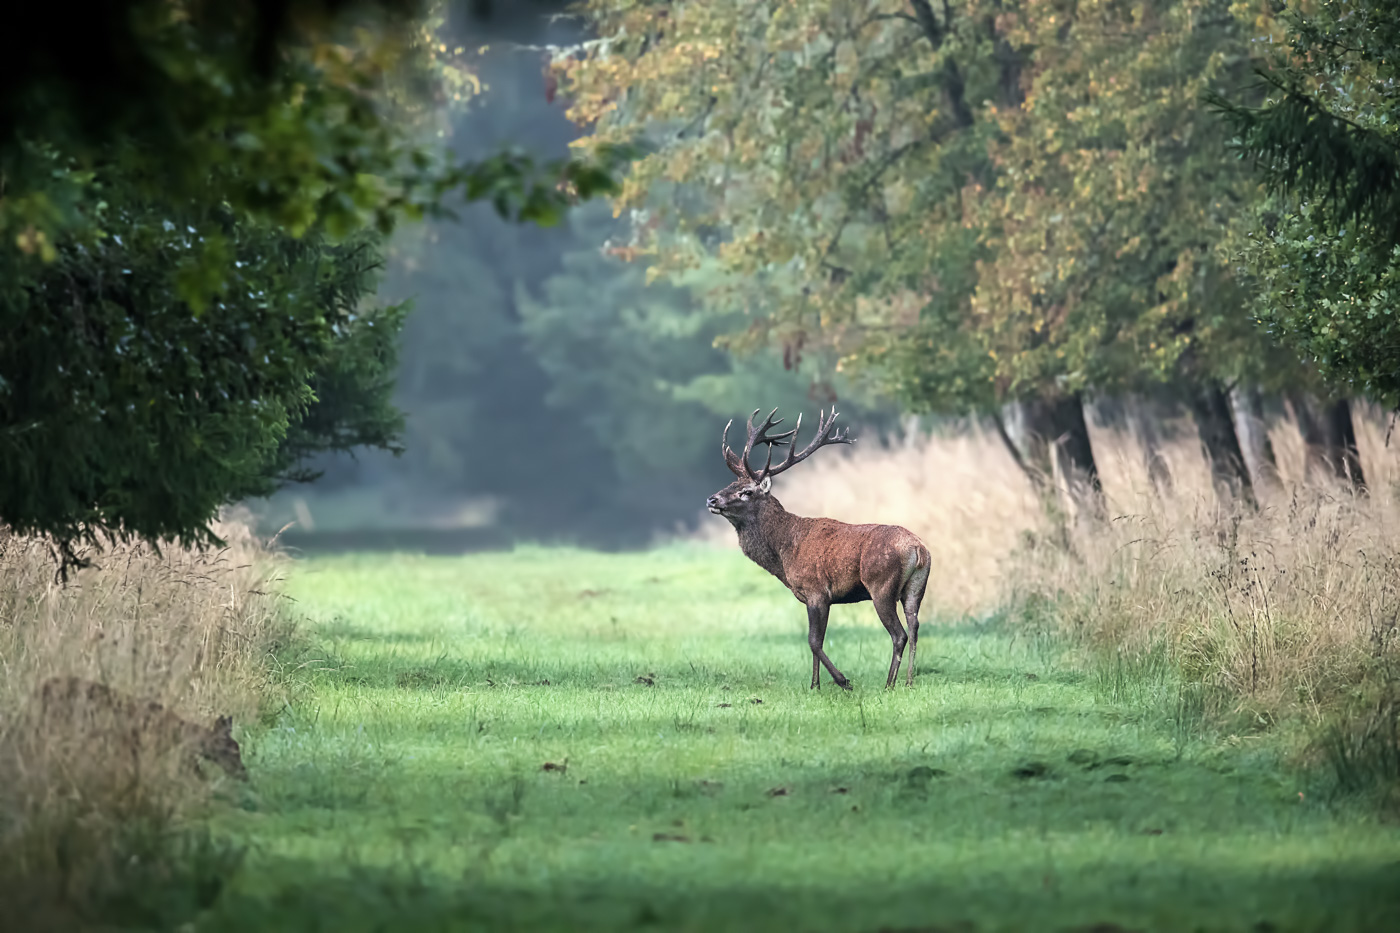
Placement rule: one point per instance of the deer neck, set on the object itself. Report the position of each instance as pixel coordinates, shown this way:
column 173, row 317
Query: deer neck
column 767, row 536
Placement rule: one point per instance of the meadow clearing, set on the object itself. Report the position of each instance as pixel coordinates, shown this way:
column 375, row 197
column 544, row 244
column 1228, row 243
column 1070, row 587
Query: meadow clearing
column 1177, row 723
column 554, row 739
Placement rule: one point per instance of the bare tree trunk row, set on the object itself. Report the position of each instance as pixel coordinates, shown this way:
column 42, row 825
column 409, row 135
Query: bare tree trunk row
column 1049, row 440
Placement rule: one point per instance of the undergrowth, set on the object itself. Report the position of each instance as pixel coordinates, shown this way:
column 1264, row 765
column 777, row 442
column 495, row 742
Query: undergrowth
column 99, row 823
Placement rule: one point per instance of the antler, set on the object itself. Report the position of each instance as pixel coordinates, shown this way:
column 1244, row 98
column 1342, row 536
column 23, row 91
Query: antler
column 739, row 464
column 826, row 434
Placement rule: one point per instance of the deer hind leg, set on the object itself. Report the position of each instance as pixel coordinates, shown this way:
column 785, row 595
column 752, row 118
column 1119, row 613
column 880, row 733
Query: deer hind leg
column 816, row 637
column 913, row 598
column 885, row 603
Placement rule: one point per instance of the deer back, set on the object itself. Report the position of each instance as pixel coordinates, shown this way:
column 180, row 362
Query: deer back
column 846, row 563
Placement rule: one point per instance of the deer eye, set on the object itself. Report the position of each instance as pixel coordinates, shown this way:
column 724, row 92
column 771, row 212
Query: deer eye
column 744, row 495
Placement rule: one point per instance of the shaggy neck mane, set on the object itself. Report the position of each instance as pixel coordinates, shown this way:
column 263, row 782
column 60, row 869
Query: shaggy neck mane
column 767, row 533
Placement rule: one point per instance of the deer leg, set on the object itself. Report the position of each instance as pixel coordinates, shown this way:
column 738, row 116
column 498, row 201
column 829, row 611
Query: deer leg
column 885, row 608
column 816, row 637
column 913, row 598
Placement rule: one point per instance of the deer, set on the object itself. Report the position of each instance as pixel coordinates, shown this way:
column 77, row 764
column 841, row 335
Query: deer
column 822, row 561
column 96, row 713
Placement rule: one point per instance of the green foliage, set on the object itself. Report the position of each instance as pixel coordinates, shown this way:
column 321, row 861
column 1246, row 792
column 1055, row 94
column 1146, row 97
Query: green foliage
column 1328, row 131
column 185, row 194
column 352, row 386
column 1112, row 195
column 125, row 409
column 815, row 153
column 971, row 203
column 1324, row 251
column 304, row 113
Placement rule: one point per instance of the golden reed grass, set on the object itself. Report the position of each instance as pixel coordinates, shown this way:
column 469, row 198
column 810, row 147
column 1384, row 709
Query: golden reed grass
column 190, row 630
column 1287, row 604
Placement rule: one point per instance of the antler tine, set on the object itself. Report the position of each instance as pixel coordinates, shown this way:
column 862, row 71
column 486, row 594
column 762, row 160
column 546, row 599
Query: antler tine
column 792, row 449
column 826, row 434
column 779, row 439
column 731, row 460
column 761, row 436
column 739, row 463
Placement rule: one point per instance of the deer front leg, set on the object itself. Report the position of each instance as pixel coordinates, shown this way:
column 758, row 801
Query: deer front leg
column 816, row 637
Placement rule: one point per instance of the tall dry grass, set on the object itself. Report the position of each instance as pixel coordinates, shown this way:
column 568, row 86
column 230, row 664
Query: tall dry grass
column 87, row 821
column 1287, row 607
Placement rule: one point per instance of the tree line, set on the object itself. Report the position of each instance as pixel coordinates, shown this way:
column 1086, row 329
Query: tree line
column 1007, row 207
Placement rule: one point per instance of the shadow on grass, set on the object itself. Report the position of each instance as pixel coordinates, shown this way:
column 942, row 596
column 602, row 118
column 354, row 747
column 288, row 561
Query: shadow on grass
column 963, row 793
column 342, row 629
column 1104, row 897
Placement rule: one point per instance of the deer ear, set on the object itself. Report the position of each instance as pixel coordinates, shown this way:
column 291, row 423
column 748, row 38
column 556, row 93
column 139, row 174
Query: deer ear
column 766, row 485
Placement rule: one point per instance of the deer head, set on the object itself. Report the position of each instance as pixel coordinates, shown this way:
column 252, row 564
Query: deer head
column 218, row 745
column 741, row 499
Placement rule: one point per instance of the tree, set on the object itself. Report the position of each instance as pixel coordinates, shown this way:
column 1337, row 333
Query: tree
column 998, row 203
column 817, row 154
column 188, row 240
column 300, row 113
column 1324, row 252
column 125, row 411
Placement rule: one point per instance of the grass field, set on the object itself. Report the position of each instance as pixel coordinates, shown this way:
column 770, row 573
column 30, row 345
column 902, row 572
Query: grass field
column 555, row 739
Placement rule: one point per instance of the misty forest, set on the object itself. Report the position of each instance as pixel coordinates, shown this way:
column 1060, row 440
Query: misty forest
column 862, row 465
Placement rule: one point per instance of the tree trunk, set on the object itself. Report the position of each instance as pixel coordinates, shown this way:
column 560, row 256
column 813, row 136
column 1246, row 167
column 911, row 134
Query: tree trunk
column 1329, row 439
column 1304, row 412
column 1049, row 438
column 1143, row 417
column 1247, row 405
column 1220, row 443
column 1341, row 436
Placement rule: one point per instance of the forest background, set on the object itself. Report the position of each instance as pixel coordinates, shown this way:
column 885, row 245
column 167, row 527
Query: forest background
column 1042, row 218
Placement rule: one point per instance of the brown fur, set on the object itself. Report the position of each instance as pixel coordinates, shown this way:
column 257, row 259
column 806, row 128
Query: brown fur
column 823, row 561
column 90, row 710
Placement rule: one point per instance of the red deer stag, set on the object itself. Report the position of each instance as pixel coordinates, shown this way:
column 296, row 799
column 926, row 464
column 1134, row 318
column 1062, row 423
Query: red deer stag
column 823, row 561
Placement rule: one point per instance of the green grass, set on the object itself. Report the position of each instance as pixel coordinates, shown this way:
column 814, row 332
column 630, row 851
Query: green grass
column 1008, row 790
